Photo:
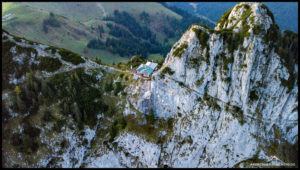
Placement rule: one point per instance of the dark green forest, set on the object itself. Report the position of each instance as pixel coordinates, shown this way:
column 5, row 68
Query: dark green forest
column 140, row 39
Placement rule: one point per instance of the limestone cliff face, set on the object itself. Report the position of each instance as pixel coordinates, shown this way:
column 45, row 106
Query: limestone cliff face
column 229, row 103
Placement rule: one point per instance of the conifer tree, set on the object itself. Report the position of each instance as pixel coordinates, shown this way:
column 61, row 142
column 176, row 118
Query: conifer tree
column 76, row 77
column 76, row 112
column 20, row 104
column 84, row 116
column 26, row 90
column 59, row 93
column 66, row 108
column 17, row 90
column 151, row 117
column 40, row 99
column 44, row 87
column 50, row 92
column 36, row 86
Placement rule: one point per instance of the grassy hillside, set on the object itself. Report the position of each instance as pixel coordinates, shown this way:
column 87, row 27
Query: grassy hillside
column 74, row 10
column 96, row 10
column 152, row 34
column 136, row 8
column 71, row 35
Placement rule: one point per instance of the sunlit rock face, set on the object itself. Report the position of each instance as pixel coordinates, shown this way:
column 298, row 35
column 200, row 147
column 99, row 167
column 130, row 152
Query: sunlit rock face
column 248, row 100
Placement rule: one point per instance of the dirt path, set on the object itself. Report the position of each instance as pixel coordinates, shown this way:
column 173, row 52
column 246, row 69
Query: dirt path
column 101, row 7
column 249, row 116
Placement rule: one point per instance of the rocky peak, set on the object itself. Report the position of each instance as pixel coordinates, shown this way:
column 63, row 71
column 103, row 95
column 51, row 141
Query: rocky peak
column 246, row 14
column 232, row 82
column 188, row 38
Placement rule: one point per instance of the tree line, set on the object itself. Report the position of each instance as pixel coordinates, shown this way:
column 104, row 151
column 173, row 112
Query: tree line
column 51, row 21
column 136, row 40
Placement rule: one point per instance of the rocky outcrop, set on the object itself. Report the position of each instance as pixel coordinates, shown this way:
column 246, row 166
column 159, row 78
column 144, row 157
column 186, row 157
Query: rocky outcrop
column 231, row 101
